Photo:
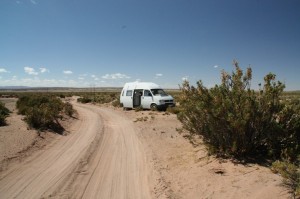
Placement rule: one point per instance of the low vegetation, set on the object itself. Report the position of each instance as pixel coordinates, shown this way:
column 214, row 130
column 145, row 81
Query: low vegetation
column 235, row 121
column 99, row 97
column 174, row 110
column 4, row 112
column 291, row 176
column 84, row 100
column 43, row 112
column 68, row 109
column 116, row 102
column 141, row 119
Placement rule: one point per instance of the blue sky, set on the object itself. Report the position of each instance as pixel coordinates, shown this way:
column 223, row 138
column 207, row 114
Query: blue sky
column 80, row 43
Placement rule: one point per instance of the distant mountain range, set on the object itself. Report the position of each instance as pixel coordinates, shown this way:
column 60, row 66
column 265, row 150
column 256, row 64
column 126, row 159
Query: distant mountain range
column 58, row 89
column 14, row 87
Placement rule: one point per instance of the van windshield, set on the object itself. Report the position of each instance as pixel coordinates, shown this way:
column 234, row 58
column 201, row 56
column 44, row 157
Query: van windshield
column 160, row 92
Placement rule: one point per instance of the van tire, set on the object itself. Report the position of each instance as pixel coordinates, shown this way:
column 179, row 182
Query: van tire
column 153, row 107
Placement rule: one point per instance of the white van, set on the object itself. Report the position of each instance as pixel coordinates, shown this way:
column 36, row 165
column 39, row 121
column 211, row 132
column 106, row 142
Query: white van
column 145, row 94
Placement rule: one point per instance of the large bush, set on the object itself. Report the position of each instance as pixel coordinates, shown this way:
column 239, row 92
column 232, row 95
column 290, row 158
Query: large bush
column 68, row 109
column 4, row 112
column 43, row 111
column 234, row 120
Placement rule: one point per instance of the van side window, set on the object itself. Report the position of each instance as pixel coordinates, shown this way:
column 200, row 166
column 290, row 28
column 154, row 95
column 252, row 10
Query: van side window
column 129, row 93
column 147, row 93
column 122, row 92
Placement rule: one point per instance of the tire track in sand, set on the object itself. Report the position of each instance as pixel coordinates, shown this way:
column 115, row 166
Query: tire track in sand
column 101, row 158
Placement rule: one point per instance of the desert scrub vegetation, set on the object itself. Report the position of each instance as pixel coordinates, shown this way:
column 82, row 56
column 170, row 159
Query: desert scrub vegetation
column 291, row 176
column 43, row 112
column 116, row 103
column 4, row 112
column 235, row 121
column 99, row 97
column 84, row 100
column 173, row 110
column 141, row 119
column 68, row 109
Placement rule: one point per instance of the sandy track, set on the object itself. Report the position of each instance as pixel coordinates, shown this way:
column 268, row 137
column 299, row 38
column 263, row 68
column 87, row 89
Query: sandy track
column 101, row 158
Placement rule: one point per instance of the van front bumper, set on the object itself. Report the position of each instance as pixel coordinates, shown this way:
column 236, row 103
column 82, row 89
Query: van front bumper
column 165, row 106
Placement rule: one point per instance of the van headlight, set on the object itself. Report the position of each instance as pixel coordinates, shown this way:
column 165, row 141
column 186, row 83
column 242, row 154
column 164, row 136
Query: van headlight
column 161, row 101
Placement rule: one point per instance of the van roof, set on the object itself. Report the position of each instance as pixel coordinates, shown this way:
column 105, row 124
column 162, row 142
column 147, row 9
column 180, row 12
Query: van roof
column 141, row 85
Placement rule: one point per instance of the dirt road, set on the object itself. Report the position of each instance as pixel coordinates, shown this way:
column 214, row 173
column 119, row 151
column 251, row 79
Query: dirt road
column 100, row 158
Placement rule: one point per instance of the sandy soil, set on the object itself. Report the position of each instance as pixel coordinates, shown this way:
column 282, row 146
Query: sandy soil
column 101, row 157
column 185, row 171
column 14, row 137
column 17, row 141
column 111, row 153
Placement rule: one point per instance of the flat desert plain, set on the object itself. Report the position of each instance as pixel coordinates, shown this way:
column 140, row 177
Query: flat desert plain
column 106, row 152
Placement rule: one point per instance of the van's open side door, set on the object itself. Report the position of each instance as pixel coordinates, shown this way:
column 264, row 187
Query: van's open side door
column 137, row 96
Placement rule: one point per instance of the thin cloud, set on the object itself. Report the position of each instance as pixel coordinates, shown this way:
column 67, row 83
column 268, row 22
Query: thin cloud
column 158, row 75
column 43, row 70
column 115, row 76
column 33, row 2
column 67, row 72
column 216, row 66
column 185, row 78
column 72, row 82
column 30, row 71
column 3, row 70
column 81, row 78
column 34, row 81
column 95, row 77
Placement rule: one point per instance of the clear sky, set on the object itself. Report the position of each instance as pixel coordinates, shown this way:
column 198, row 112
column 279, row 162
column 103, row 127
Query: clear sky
column 83, row 43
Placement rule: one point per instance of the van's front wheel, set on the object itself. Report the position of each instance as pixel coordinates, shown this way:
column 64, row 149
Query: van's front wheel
column 153, row 107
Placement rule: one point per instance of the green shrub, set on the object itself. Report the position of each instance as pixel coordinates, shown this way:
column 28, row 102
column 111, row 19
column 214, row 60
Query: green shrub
column 234, row 120
column 174, row 110
column 4, row 112
column 98, row 97
column 116, row 103
column 104, row 97
column 84, row 100
column 68, row 109
column 25, row 102
column 41, row 112
column 291, row 176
